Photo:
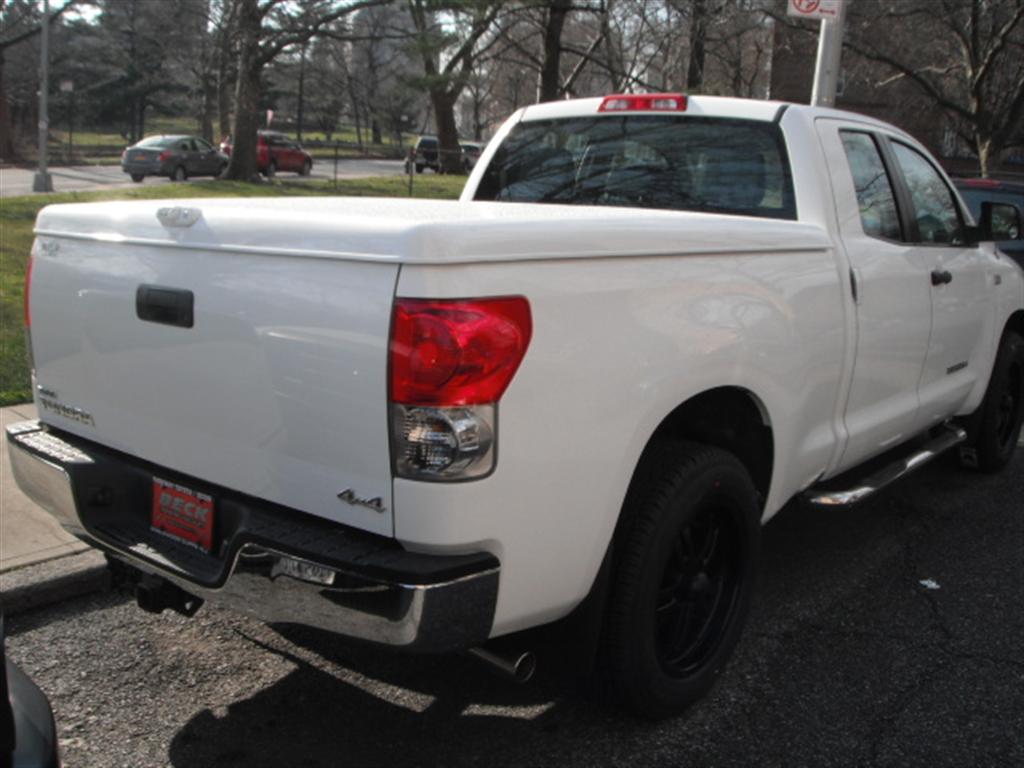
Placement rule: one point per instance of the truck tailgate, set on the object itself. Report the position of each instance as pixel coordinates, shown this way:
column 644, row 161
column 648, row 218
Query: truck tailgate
column 277, row 388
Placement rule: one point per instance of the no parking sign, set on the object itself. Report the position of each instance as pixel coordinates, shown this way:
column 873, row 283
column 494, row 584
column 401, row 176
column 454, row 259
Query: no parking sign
column 814, row 9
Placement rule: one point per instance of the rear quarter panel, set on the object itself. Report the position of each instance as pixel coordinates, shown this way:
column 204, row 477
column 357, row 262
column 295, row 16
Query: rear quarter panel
column 618, row 343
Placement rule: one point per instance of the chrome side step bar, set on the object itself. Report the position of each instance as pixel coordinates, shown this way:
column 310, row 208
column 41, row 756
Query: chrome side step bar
column 950, row 437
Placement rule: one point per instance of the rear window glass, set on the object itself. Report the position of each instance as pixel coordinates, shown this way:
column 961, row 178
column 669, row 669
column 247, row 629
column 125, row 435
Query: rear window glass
column 668, row 162
column 157, row 141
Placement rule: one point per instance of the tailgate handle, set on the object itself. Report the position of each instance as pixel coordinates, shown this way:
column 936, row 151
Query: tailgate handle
column 167, row 306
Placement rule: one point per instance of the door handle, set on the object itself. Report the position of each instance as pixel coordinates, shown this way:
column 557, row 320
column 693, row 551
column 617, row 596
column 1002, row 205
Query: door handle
column 941, row 277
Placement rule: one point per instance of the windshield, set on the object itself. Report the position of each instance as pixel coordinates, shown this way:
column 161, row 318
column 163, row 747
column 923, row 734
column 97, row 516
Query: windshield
column 670, row 162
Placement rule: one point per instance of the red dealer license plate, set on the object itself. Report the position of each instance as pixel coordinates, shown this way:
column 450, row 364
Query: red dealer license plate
column 183, row 514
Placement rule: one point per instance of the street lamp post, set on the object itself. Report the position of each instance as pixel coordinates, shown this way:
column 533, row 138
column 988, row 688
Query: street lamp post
column 68, row 87
column 42, row 181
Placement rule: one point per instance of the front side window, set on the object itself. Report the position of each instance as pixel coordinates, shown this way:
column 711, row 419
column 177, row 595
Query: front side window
column 669, row 162
column 934, row 208
column 875, row 199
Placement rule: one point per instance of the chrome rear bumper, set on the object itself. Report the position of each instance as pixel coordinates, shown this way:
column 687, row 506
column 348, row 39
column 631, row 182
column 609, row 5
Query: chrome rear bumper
column 276, row 564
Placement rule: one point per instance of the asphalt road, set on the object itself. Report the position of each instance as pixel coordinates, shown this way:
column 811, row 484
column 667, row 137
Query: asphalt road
column 18, row 181
column 889, row 635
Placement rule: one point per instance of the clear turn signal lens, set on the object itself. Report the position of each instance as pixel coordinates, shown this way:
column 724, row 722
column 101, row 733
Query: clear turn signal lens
column 443, row 443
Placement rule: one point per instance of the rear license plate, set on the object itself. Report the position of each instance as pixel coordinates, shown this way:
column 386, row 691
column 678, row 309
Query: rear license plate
column 182, row 514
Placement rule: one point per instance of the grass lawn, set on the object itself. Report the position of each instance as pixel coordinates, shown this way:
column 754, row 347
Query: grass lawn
column 18, row 214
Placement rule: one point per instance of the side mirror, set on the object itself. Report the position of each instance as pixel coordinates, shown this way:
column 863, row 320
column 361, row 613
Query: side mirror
column 1001, row 221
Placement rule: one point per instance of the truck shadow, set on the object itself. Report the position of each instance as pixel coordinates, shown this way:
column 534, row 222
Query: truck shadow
column 346, row 705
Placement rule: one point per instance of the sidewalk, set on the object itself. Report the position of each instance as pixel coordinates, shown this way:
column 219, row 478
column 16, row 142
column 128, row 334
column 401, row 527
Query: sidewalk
column 39, row 561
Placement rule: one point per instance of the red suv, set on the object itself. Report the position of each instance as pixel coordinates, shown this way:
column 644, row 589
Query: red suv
column 276, row 152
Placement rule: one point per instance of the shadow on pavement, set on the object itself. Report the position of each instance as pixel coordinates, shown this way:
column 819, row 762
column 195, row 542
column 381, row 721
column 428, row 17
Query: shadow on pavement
column 849, row 659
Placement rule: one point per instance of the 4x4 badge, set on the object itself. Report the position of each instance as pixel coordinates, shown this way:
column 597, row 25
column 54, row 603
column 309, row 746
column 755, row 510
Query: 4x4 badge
column 349, row 497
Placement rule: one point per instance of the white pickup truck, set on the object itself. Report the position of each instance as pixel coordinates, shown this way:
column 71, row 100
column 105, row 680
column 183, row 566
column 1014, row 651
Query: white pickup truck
column 649, row 323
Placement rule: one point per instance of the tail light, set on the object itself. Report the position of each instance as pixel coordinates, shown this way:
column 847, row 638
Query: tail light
column 124, row 154
column 165, row 156
column 451, row 361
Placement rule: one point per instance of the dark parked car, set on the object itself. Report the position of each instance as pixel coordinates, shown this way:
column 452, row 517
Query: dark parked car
column 176, row 157
column 276, row 152
column 424, row 154
column 28, row 736
column 470, row 154
column 1006, row 217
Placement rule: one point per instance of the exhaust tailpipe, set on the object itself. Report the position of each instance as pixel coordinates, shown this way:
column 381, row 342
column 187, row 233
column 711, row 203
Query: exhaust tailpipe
column 518, row 667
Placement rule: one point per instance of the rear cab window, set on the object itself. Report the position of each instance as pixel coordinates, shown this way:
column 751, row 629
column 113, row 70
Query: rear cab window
column 876, row 200
column 668, row 162
column 935, row 209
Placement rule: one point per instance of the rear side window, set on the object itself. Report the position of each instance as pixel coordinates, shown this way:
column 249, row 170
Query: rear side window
column 934, row 208
column 154, row 142
column 668, row 162
column 875, row 199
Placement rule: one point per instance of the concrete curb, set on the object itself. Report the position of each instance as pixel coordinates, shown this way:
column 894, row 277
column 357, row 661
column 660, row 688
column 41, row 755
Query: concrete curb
column 36, row 586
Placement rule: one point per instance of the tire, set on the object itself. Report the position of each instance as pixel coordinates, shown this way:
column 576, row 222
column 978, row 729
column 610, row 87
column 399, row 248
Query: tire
column 419, row 167
column 996, row 426
column 220, row 171
column 684, row 567
column 178, row 174
column 138, row 177
column 271, row 171
column 307, row 168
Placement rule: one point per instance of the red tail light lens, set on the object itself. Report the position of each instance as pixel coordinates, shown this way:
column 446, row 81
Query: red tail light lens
column 457, row 352
column 165, row 156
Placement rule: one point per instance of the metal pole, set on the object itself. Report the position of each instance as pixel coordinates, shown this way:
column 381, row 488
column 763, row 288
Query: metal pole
column 42, row 181
column 826, row 68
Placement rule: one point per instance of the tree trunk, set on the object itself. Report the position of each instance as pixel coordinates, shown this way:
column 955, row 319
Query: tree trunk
column 550, row 85
column 449, row 153
column 984, row 147
column 698, row 35
column 302, row 94
column 242, row 166
column 209, row 105
column 6, row 126
column 224, row 91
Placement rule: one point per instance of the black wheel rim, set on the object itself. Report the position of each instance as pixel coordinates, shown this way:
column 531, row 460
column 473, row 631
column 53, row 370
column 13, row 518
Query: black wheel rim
column 1009, row 408
column 699, row 590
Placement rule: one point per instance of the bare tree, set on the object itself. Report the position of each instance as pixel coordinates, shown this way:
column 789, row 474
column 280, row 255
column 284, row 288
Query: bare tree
column 454, row 32
column 967, row 56
column 19, row 22
column 265, row 29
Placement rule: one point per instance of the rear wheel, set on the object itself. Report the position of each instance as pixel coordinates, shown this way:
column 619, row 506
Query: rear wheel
column 178, row 174
column 996, row 426
column 683, row 577
column 138, row 177
column 419, row 167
